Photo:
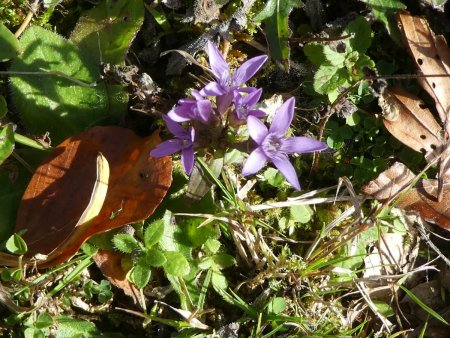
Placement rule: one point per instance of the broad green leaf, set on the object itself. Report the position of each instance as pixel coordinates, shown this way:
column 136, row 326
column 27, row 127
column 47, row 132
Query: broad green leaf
column 177, row 264
column 141, row 273
column 329, row 78
column 6, row 142
column 212, row 246
column 333, row 58
column 301, row 213
column 43, row 320
column 68, row 327
column 32, row 332
column 54, row 103
column 155, row 258
column 16, row 245
column 3, row 107
column 224, row 261
column 192, row 235
column 10, row 47
column 172, row 237
column 275, row 16
column 125, row 243
column 384, row 11
column 153, row 233
column 315, row 53
column 362, row 32
column 109, row 28
column 276, row 305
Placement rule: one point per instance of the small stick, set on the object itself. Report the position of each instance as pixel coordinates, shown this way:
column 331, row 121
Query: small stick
column 33, row 9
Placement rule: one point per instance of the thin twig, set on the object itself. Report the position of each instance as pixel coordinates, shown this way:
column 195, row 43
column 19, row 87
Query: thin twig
column 33, row 9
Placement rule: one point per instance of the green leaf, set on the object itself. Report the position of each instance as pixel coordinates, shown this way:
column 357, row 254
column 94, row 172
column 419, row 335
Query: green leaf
column 353, row 120
column 10, row 45
column 385, row 309
column 192, row 235
column 384, row 11
column 32, row 332
column 315, row 53
column 218, row 280
column 172, row 237
column 3, row 107
column 362, row 32
column 125, row 243
column 16, row 245
column 275, row 16
column 329, row 78
column 153, row 233
column 273, row 177
column 224, row 261
column 155, row 258
column 276, row 305
column 49, row 102
column 6, row 142
column 109, row 28
column 177, row 264
column 301, row 213
column 141, row 273
column 43, row 320
column 69, row 327
column 333, row 58
column 199, row 182
column 212, row 245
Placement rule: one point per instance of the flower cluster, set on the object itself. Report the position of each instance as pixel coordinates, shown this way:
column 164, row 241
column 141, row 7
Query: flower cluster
column 214, row 116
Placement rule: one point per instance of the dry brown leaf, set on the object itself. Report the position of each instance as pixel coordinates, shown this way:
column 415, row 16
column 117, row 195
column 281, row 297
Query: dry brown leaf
column 61, row 189
column 407, row 119
column 432, row 57
column 109, row 263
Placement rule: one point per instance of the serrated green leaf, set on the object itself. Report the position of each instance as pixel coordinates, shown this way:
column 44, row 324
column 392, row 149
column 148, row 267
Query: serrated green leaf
column 362, row 35
column 329, row 78
column 16, row 245
column 155, row 258
column 10, row 45
column 3, row 107
column 141, row 273
column 177, row 264
column 6, row 142
column 125, row 243
column 56, row 104
column 301, row 213
column 153, row 233
column 384, row 11
column 109, row 28
column 333, row 58
column 275, row 16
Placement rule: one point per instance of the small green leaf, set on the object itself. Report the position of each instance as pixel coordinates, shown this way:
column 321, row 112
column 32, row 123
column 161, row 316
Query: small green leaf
column 153, row 233
column 218, row 280
column 301, row 213
column 276, row 305
column 385, row 309
column 212, row 245
column 10, row 45
column 141, row 273
column 329, row 78
column 43, row 320
column 333, row 58
column 315, row 53
column 177, row 264
column 155, row 258
column 224, row 261
column 353, row 120
column 273, row 177
column 68, row 327
column 362, row 35
column 32, row 332
column 125, row 243
column 6, row 142
column 3, row 107
column 16, row 245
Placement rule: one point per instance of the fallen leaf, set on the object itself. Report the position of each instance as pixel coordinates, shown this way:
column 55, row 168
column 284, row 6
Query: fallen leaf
column 61, row 189
column 109, row 263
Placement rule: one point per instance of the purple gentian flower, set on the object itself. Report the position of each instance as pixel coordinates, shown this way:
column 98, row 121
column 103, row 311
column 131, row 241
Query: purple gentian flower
column 243, row 105
column 225, row 83
column 199, row 109
column 273, row 145
column 183, row 141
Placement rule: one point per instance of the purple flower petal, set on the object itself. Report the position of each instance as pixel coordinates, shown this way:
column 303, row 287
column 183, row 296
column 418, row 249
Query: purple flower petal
column 223, row 102
column 179, row 114
column 255, row 162
column 252, row 98
column 174, row 127
column 187, row 159
column 301, row 145
column 248, row 69
column 196, row 94
column 283, row 118
column 257, row 130
column 167, row 148
column 204, row 110
column 257, row 113
column 217, row 63
column 213, row 89
column 285, row 167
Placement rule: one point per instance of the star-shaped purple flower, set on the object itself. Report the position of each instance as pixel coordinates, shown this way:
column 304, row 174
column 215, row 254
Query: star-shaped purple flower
column 199, row 109
column 273, row 145
column 243, row 105
column 225, row 83
column 184, row 141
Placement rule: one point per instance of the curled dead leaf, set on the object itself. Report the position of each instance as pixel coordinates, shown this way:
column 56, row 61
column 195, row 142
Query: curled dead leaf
column 62, row 189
